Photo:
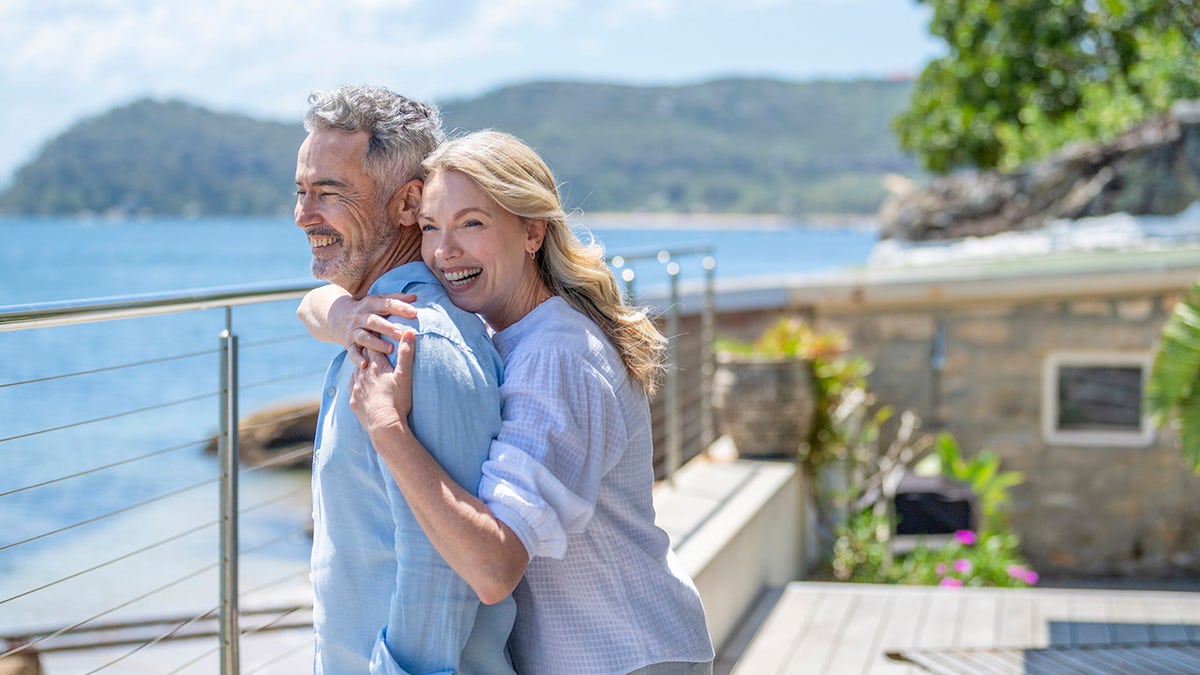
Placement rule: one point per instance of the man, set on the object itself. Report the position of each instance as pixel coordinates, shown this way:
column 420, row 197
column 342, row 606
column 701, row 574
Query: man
column 384, row 601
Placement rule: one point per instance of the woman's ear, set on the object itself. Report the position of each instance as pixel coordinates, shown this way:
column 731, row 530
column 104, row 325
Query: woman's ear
column 406, row 202
column 535, row 234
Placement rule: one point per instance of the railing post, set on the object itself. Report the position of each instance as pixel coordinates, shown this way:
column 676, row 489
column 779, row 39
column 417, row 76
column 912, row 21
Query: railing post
column 227, row 451
column 674, row 413
column 708, row 329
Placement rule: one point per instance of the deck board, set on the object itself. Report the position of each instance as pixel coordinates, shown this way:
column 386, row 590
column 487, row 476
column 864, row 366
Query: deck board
column 835, row 629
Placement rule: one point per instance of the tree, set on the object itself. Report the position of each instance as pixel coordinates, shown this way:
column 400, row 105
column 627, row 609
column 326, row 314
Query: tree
column 1022, row 78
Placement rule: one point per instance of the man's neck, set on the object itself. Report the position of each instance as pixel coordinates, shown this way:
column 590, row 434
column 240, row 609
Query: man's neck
column 400, row 253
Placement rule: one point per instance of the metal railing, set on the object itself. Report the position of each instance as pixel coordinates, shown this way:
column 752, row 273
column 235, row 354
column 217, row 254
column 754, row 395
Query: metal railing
column 682, row 410
column 63, row 611
column 120, row 396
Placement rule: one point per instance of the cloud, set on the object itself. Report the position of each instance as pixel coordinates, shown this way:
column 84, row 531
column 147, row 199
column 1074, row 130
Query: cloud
column 66, row 59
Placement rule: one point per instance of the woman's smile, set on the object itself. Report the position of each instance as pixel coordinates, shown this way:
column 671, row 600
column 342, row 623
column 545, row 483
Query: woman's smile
column 459, row 279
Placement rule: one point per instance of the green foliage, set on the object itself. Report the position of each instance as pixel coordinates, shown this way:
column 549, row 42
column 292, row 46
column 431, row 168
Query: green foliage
column 992, row 559
column 844, row 424
column 1022, row 78
column 789, row 338
column 1173, row 387
column 982, row 474
column 161, row 158
column 727, row 146
column 862, row 553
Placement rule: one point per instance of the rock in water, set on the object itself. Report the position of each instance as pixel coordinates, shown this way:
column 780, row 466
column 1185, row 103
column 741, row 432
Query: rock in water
column 276, row 431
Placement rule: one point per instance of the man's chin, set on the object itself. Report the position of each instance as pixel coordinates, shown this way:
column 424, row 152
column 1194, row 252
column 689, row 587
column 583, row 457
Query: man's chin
column 325, row 272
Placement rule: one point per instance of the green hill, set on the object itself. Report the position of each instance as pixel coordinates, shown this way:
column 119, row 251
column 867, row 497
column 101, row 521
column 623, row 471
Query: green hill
column 727, row 146
column 161, row 158
column 733, row 146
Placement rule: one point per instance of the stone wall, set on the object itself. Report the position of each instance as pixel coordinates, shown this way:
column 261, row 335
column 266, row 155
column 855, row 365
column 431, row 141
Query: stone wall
column 1091, row 511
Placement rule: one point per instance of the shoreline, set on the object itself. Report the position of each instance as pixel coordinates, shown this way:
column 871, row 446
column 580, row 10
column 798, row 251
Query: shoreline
column 628, row 220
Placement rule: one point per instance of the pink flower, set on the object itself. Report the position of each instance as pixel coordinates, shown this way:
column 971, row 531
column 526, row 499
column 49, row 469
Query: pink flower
column 940, row 568
column 950, row 582
column 962, row 566
column 1022, row 573
column 965, row 537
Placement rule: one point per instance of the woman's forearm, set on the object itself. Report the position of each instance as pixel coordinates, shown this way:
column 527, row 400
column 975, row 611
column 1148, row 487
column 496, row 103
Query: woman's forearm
column 484, row 551
column 314, row 312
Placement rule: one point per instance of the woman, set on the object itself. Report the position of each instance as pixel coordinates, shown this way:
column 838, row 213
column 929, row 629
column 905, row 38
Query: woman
column 563, row 518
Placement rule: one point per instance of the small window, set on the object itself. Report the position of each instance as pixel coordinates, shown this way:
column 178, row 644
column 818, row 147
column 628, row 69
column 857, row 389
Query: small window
column 1095, row 398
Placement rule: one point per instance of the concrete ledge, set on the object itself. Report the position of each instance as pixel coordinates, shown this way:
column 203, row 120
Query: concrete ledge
column 738, row 527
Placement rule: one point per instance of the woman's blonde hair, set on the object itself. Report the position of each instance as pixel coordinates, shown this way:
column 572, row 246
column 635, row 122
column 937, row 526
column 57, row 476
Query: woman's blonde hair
column 515, row 176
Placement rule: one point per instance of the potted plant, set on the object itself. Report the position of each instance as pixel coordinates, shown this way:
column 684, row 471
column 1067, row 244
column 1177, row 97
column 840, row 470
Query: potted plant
column 764, row 392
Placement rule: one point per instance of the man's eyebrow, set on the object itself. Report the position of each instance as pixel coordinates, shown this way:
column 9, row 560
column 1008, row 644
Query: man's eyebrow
column 327, row 182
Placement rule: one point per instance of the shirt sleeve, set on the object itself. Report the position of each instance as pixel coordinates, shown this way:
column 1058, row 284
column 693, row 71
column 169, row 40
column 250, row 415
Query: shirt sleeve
column 562, row 431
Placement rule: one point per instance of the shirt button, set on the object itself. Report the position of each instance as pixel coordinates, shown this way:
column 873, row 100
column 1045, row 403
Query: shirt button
column 331, row 392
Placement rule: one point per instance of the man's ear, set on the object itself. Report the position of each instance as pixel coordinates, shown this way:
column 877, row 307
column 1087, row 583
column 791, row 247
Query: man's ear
column 406, row 202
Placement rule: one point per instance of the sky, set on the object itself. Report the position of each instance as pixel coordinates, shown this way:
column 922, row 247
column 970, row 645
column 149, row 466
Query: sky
column 66, row 60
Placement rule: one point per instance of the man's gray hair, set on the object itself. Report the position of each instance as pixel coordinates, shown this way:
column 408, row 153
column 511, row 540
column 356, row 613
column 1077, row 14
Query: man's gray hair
column 403, row 131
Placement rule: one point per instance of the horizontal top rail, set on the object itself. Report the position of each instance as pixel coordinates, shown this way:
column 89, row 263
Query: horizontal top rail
column 659, row 253
column 69, row 312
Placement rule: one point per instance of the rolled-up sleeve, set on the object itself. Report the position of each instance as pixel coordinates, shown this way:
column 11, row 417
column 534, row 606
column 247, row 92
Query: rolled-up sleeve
column 561, row 433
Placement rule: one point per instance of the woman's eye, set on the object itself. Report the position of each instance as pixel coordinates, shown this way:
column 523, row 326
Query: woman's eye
column 472, row 223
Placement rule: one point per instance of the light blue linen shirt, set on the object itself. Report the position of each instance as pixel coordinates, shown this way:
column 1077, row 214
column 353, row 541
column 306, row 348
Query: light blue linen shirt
column 384, row 600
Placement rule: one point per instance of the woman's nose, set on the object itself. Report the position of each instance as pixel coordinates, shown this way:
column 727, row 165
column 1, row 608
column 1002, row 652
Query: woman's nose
column 447, row 248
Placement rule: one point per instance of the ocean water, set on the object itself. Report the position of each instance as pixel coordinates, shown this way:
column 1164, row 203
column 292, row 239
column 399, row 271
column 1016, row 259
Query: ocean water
column 148, row 392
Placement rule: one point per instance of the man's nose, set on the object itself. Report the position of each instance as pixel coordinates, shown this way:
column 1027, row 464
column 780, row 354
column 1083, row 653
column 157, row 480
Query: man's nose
column 305, row 213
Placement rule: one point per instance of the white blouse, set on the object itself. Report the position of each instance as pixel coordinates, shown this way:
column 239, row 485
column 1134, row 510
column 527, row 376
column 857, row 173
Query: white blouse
column 571, row 473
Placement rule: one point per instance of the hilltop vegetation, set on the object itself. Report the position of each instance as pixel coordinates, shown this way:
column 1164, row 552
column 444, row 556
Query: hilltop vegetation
column 732, row 146
column 728, row 146
column 161, row 158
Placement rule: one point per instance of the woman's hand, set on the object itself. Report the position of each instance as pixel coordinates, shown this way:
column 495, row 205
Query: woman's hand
column 380, row 395
column 331, row 315
column 365, row 322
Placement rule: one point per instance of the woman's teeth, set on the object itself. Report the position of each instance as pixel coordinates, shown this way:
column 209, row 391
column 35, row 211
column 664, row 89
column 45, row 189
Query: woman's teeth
column 460, row 277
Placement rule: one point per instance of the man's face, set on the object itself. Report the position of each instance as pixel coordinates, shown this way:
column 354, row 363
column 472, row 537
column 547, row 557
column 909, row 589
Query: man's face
column 337, row 206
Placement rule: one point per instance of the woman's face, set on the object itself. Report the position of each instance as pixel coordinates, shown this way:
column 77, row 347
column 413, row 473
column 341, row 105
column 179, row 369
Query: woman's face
column 479, row 250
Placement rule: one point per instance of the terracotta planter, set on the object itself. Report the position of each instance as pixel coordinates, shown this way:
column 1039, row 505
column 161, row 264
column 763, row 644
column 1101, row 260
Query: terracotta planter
column 764, row 405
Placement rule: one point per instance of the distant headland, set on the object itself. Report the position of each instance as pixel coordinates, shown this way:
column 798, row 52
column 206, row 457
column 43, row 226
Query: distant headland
column 748, row 146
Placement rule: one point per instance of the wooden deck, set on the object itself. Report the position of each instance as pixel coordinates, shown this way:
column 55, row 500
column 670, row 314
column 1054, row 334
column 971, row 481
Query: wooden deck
column 836, row 628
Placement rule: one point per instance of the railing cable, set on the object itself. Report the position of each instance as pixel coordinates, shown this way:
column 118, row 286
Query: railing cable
column 113, row 561
column 105, row 467
column 105, row 418
column 107, row 369
column 110, row 514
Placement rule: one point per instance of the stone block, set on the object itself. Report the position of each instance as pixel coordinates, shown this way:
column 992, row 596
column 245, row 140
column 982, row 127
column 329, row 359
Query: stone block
column 905, row 326
column 980, row 331
column 1139, row 309
column 1090, row 308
